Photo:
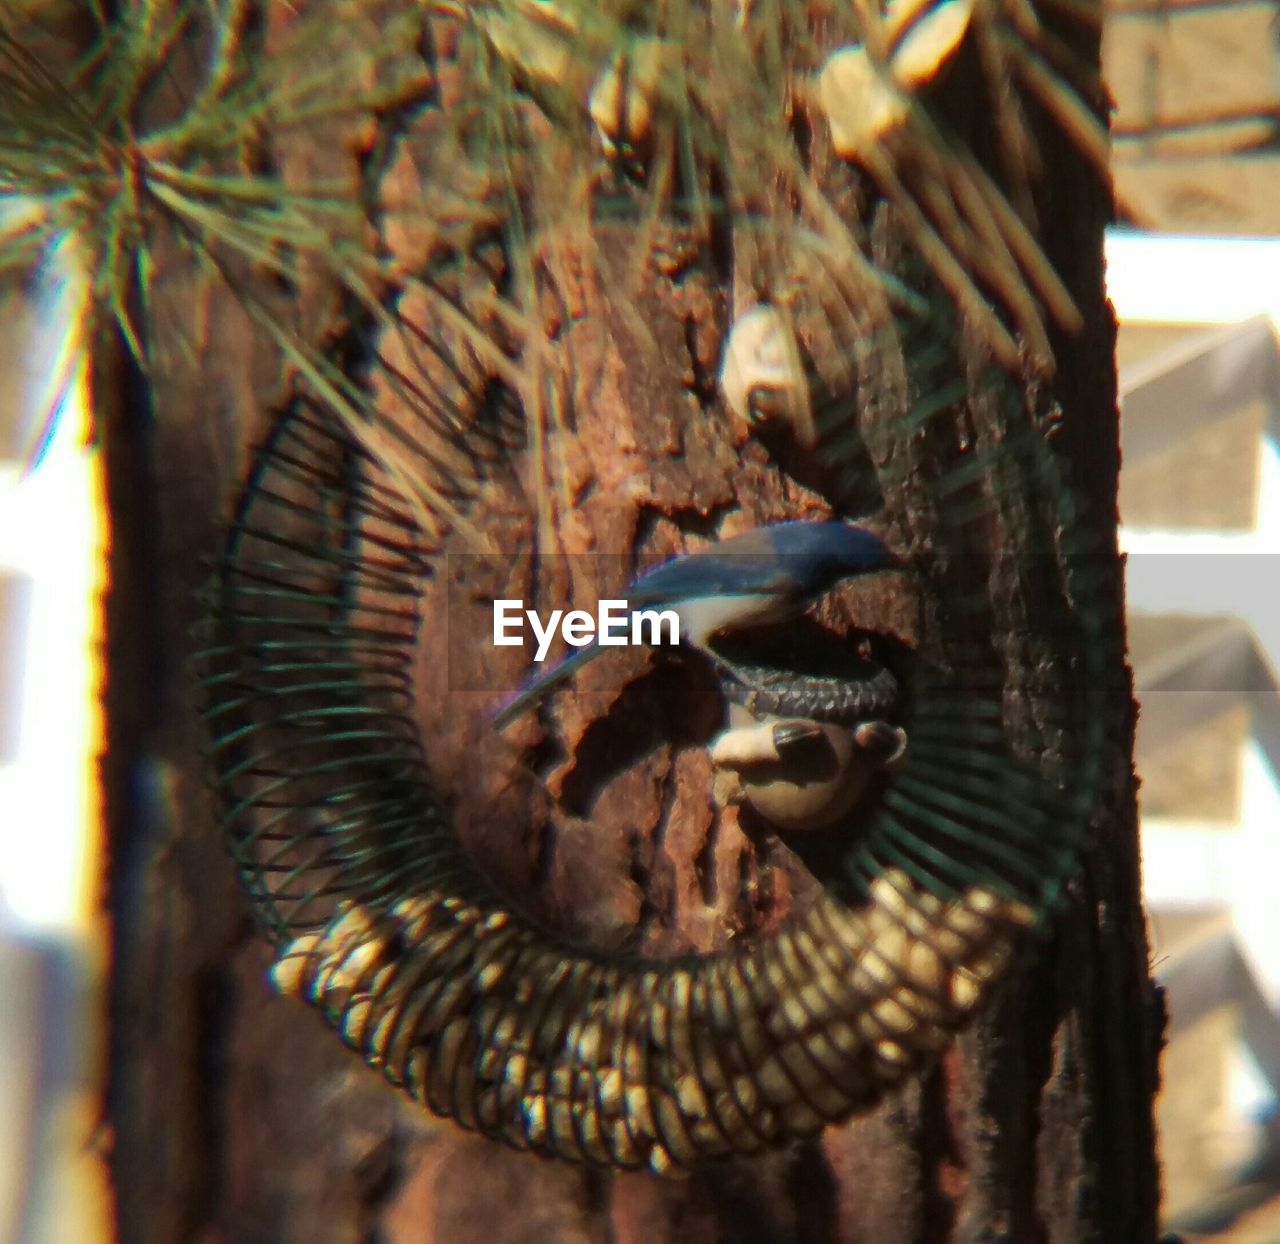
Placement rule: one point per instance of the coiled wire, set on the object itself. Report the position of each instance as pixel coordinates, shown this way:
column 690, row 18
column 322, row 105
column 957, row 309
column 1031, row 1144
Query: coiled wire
column 382, row 922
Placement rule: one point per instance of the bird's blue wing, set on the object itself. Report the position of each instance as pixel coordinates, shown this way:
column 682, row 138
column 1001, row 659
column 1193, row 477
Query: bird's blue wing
column 747, row 565
column 790, row 559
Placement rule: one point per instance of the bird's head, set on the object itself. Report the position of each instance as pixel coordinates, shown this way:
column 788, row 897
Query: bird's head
column 817, row 555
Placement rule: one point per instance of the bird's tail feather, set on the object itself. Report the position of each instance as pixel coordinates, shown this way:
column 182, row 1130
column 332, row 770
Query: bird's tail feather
column 543, row 682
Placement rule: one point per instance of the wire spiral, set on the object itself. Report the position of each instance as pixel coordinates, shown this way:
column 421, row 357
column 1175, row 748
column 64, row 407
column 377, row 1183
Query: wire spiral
column 381, row 921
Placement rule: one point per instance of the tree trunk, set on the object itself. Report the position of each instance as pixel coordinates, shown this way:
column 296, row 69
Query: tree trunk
column 237, row 1116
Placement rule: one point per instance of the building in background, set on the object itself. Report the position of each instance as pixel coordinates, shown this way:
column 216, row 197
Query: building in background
column 1196, row 152
column 52, row 937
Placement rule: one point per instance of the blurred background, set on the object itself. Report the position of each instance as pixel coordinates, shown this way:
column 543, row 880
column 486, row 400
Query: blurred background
column 1194, row 272
column 1196, row 160
column 52, row 937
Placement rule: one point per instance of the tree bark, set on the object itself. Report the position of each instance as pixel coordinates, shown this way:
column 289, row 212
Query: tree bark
column 237, row 1117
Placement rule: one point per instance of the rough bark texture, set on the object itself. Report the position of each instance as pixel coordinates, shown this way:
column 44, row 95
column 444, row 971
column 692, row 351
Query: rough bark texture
column 238, row 1118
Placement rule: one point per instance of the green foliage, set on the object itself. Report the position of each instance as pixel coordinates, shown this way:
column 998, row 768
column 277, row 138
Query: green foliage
column 111, row 149
column 547, row 123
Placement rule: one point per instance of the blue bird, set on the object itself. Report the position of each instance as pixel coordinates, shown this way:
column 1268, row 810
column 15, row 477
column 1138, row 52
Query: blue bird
column 762, row 576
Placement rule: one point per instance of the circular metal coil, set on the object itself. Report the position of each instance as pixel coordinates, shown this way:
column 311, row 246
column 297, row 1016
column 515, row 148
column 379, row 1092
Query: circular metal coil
column 380, row 919
column 865, row 690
